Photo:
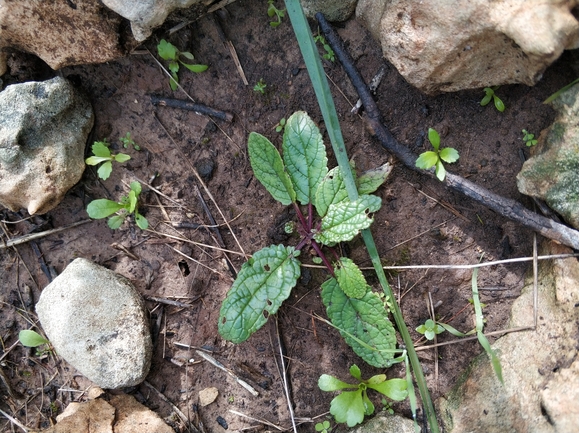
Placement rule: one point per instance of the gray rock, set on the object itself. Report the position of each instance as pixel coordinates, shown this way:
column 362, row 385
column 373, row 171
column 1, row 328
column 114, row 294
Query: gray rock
column 384, row 423
column 450, row 45
column 43, row 130
column 553, row 173
column 97, row 321
column 60, row 33
column 540, row 367
column 145, row 15
column 333, row 10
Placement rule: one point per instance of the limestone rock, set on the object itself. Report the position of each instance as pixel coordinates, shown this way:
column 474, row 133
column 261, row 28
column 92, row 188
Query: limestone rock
column 553, row 173
column 96, row 320
column 540, row 367
column 450, row 45
column 208, row 396
column 60, row 33
column 384, row 423
column 43, row 130
column 333, row 10
column 145, row 15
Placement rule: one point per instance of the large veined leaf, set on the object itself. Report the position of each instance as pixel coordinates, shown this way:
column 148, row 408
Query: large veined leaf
column 268, row 168
column 365, row 320
column 263, row 283
column 350, row 278
column 304, row 155
column 370, row 180
column 344, row 220
column 331, row 190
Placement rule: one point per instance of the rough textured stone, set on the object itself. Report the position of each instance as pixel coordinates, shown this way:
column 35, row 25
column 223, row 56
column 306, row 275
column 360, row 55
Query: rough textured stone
column 540, row 367
column 384, row 423
column 96, row 320
column 61, row 33
column 553, row 173
column 145, row 15
column 333, row 10
column 451, row 45
column 43, row 130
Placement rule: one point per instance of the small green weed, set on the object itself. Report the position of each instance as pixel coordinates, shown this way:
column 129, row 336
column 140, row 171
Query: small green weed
column 429, row 329
column 272, row 11
column 29, row 338
column 128, row 141
column 560, row 91
column 329, row 55
column 529, row 138
column 102, row 153
column 323, row 427
column 351, row 406
column 434, row 158
column 490, row 94
column 260, row 86
column 279, row 127
column 168, row 51
column 102, row 208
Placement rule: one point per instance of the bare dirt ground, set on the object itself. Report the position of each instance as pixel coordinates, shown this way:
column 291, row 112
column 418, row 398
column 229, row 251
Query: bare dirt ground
column 420, row 221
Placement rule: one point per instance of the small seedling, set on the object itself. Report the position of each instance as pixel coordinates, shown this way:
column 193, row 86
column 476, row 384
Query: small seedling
column 272, row 11
column 260, row 86
column 128, row 141
column 434, row 158
column 29, row 338
column 323, row 427
column 168, row 51
column 490, row 94
column 351, row 406
column 329, row 55
column 103, row 154
column 429, row 329
column 102, row 208
column 529, row 138
column 279, row 127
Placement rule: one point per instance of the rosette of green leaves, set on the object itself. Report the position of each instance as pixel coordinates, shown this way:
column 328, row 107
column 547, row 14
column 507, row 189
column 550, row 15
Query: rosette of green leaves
column 352, row 404
column 102, row 208
column 168, row 51
column 434, row 158
column 102, row 154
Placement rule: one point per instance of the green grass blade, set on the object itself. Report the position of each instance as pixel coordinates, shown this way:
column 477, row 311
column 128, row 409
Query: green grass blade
column 322, row 89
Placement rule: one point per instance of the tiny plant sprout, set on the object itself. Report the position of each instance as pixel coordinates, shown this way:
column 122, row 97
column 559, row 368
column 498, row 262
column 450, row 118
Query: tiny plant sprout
column 260, row 86
column 429, row 329
column 168, row 51
column 128, row 205
column 323, row 427
column 31, row 338
column 272, row 11
column 128, row 141
column 329, row 54
column 434, row 158
column 529, row 138
column 279, row 127
column 102, row 154
column 490, row 94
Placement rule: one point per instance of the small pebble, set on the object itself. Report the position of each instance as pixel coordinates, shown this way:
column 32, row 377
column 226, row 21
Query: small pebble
column 205, row 168
column 207, row 396
column 221, row 421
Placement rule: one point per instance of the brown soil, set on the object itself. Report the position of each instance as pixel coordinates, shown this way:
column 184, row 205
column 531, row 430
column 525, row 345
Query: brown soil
column 420, row 221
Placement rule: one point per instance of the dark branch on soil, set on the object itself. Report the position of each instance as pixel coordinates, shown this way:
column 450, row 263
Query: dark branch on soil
column 504, row 206
column 186, row 105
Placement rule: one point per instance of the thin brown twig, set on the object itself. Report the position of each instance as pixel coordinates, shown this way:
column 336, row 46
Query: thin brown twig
column 32, row 236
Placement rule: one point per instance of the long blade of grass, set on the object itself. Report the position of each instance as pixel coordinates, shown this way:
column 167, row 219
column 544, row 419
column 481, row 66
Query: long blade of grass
column 328, row 109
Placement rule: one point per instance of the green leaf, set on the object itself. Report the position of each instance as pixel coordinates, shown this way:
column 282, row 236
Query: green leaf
column 102, row 208
column 421, row 329
column 344, row 220
column 348, row 407
column 263, row 283
column 173, row 82
column 370, row 180
column 166, row 50
column 136, row 186
column 440, row 171
column 132, row 201
column 195, row 68
column 122, row 157
column 434, row 138
column 394, row 389
column 94, row 160
column 268, row 168
column 99, row 148
column 427, row 160
column 364, row 319
column 31, row 338
column 368, row 405
column 116, row 221
column 187, row 55
column 378, row 378
column 105, row 170
column 304, row 155
column 174, row 68
column 355, row 372
column 489, row 95
column 331, row 190
column 350, row 278
column 330, row 383
column 449, row 154
column 499, row 104
column 141, row 221
column 429, row 334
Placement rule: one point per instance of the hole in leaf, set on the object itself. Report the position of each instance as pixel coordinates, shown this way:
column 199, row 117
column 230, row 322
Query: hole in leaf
column 266, row 314
column 269, row 302
column 223, row 320
column 266, row 268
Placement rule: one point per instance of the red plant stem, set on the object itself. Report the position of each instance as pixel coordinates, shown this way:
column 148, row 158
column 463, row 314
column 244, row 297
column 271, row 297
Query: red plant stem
column 310, row 216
